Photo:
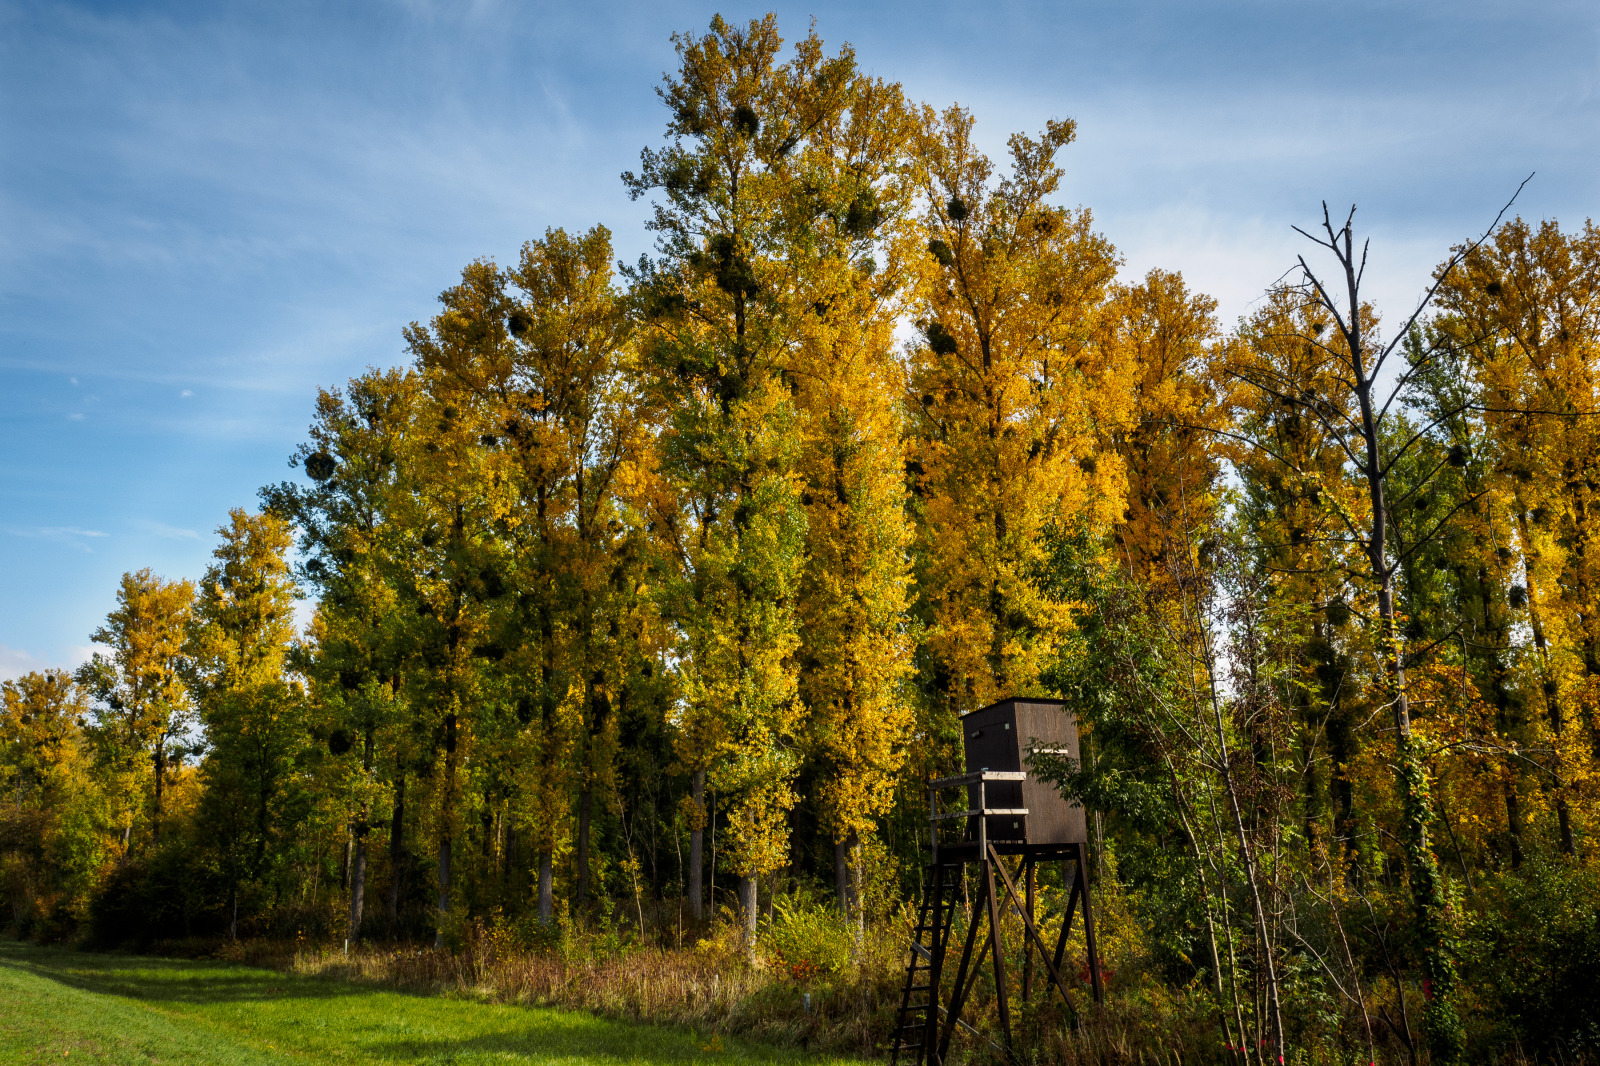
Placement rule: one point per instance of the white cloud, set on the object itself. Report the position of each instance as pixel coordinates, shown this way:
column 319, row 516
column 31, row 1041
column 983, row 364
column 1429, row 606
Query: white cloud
column 161, row 529
column 72, row 535
column 14, row 662
column 186, row 393
column 76, row 416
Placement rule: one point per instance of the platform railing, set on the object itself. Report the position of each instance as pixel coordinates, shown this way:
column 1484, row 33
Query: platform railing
column 982, row 812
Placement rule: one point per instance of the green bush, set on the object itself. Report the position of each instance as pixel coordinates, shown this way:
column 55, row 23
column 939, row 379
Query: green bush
column 1532, row 954
column 806, row 939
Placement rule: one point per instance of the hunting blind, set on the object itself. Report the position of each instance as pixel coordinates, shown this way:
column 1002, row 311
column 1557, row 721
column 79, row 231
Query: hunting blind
column 1009, row 815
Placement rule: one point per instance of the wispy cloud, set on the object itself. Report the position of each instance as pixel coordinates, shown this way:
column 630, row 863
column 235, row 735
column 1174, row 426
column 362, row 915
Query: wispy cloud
column 14, row 662
column 161, row 529
column 72, row 535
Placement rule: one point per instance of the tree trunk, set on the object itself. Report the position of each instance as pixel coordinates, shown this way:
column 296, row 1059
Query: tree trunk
column 748, row 913
column 697, row 838
column 396, row 852
column 585, row 814
column 1553, row 712
column 1263, row 924
column 161, row 766
column 446, row 801
column 358, row 878
column 508, row 861
column 444, row 888
column 841, row 878
column 1513, row 817
column 344, row 861
column 547, row 896
column 858, row 894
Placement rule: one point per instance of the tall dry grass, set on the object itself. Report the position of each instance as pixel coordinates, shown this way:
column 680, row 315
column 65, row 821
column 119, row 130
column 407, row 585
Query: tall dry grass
column 711, row 986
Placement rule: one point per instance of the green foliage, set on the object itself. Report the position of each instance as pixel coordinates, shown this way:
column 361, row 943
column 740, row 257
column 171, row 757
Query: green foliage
column 807, row 940
column 1531, row 956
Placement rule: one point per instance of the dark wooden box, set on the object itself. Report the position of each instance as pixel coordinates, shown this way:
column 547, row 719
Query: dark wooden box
column 999, row 737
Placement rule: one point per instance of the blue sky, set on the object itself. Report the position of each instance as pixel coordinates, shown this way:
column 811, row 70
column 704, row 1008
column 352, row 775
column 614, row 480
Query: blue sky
column 207, row 210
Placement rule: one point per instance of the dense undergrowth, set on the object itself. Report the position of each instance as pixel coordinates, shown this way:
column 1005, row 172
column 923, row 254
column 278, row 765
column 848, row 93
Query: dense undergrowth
column 1532, row 978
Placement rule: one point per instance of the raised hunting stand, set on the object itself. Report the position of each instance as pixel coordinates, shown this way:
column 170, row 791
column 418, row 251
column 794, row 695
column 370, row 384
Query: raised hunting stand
column 1009, row 812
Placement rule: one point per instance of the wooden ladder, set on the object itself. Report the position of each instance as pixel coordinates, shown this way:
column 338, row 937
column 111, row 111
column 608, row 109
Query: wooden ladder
column 919, row 1002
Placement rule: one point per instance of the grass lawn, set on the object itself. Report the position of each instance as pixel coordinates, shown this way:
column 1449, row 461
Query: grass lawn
column 58, row 1006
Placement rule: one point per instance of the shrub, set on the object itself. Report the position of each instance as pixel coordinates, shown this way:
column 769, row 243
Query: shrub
column 807, row 940
column 1532, row 951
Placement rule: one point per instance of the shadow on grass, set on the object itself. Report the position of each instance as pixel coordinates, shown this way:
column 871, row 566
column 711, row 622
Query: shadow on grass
column 166, row 980
column 538, row 1034
column 604, row 1041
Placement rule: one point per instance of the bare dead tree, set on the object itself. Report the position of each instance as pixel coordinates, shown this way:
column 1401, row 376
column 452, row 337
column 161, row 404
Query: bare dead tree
column 1358, row 419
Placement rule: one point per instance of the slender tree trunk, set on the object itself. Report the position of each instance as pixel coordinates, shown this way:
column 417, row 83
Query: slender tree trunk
column 358, row 869
column 697, row 838
column 358, row 881
column 547, row 889
column 161, row 767
column 1552, row 705
column 585, row 814
column 1187, row 822
column 841, row 878
column 1269, row 967
column 445, row 840
column 1513, row 816
column 444, row 888
column 747, row 912
column 396, row 852
column 344, row 861
column 858, row 895
column 508, row 861
column 233, row 910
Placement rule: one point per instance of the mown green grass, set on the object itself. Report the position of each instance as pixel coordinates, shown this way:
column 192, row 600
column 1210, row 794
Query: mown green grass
column 58, row 1006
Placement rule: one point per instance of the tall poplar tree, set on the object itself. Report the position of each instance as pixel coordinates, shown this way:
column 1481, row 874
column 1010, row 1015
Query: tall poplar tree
column 543, row 354
column 252, row 712
column 722, row 303
column 459, row 490
column 144, row 707
column 1526, row 305
column 362, row 649
column 857, row 239
column 1006, row 392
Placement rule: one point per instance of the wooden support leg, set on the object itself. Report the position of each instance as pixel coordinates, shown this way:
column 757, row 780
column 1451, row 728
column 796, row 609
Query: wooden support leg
column 959, row 995
column 1072, row 907
column 999, row 952
column 1088, row 930
column 1032, row 932
column 1027, row 945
